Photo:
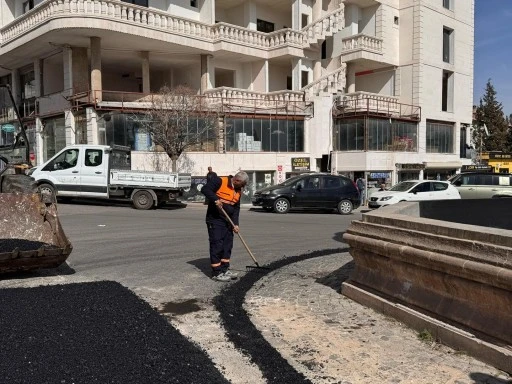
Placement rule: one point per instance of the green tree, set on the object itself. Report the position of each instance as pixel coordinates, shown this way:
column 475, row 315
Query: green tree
column 490, row 114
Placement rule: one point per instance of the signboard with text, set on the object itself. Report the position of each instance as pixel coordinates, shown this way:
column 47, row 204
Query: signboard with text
column 300, row 164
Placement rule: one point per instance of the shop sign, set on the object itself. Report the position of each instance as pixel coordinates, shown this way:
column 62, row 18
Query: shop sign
column 379, row 175
column 410, row 167
column 500, row 156
column 300, row 163
column 8, row 128
column 479, row 168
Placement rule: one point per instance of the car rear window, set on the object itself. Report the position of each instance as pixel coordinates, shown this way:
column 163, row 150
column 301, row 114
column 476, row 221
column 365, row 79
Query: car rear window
column 332, row 182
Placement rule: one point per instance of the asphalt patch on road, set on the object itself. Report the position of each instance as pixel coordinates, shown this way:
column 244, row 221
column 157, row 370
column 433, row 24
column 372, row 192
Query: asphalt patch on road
column 245, row 336
column 97, row 332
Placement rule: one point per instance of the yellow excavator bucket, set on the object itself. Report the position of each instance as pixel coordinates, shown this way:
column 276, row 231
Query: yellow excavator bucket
column 31, row 236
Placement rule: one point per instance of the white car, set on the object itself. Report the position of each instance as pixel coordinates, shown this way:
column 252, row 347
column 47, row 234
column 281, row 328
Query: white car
column 414, row 190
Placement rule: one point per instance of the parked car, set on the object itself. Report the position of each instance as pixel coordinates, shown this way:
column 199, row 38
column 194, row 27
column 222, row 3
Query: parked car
column 414, row 190
column 312, row 190
column 483, row 185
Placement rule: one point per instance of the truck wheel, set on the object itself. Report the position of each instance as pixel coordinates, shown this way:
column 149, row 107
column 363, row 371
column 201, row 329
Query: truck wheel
column 47, row 192
column 143, row 200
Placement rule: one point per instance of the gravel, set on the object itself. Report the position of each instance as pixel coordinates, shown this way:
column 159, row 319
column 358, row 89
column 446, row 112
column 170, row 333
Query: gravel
column 245, row 336
column 96, row 332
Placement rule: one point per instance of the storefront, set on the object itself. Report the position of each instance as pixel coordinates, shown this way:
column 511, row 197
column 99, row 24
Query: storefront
column 409, row 171
column 441, row 170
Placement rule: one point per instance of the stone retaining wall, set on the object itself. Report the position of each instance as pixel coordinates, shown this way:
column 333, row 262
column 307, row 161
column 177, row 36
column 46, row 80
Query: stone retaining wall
column 450, row 278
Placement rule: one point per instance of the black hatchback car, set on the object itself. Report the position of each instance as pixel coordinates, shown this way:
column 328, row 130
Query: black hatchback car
column 312, row 191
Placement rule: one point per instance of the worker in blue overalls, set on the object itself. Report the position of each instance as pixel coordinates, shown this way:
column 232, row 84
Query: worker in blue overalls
column 223, row 192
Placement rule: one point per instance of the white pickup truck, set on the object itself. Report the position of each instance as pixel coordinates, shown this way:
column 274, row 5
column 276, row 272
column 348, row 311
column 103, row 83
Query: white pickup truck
column 104, row 172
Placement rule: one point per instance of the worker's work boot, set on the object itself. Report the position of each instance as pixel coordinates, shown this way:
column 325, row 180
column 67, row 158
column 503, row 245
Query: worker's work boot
column 221, row 277
column 231, row 275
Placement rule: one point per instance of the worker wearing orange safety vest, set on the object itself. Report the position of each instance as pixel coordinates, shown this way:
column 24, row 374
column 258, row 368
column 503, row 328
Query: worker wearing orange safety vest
column 223, row 192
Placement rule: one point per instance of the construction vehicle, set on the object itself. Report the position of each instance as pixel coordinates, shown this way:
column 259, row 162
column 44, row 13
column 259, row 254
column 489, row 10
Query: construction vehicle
column 31, row 236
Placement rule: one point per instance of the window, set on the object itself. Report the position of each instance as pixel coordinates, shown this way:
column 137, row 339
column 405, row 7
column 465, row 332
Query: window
column 447, row 45
column 440, row 186
column 264, row 26
column 142, row 3
column 304, row 79
column 312, row 183
column 28, row 5
column 289, row 83
column 193, row 3
column 447, row 92
column 332, row 182
column 67, row 159
column 439, row 138
column 423, row 187
column 93, row 157
column 304, row 20
column 447, row 4
column 264, row 135
column 396, row 20
column 324, row 50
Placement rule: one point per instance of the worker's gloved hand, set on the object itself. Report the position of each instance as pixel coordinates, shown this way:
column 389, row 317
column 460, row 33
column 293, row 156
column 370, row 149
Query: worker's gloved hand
column 218, row 203
column 236, row 229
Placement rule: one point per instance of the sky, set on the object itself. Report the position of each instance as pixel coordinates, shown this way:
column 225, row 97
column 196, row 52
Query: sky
column 493, row 50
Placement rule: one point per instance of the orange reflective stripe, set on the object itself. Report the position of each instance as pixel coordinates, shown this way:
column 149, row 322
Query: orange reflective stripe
column 216, row 265
column 226, row 193
column 224, row 260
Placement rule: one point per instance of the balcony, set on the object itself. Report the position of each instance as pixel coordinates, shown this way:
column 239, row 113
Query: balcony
column 373, row 104
column 222, row 100
column 361, row 47
column 115, row 15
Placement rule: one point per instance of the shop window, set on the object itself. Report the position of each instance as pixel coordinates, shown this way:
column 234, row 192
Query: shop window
column 439, row 137
column 264, row 26
column 54, row 137
column 264, row 135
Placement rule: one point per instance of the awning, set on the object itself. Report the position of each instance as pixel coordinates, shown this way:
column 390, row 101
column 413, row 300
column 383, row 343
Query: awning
column 442, row 164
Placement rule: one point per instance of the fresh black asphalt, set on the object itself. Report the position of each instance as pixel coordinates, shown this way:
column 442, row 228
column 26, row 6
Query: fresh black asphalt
column 101, row 332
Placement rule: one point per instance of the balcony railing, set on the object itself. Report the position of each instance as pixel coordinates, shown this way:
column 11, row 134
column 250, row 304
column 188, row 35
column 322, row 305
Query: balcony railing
column 115, row 10
column 221, row 100
column 367, row 103
column 332, row 82
column 362, row 42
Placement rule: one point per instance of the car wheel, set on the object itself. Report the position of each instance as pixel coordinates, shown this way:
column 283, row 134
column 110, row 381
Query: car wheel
column 345, row 207
column 143, row 200
column 281, row 205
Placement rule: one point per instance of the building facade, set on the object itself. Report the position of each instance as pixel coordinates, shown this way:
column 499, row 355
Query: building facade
column 380, row 89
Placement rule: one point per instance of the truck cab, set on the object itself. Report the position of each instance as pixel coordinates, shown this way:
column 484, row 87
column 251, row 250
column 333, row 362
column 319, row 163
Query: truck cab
column 77, row 170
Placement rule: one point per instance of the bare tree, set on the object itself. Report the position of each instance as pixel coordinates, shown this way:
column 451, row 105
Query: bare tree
column 178, row 120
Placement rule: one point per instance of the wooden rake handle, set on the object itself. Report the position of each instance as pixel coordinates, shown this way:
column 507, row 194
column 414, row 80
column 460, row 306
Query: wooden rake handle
column 240, row 236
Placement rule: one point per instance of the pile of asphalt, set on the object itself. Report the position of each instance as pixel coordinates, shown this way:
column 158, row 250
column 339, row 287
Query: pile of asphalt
column 9, row 245
column 93, row 333
column 245, row 336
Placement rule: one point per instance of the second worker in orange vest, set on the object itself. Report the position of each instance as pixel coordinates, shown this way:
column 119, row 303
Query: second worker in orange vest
column 223, row 192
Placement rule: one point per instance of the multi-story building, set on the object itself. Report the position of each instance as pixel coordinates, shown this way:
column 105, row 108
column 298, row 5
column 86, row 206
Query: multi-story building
column 374, row 88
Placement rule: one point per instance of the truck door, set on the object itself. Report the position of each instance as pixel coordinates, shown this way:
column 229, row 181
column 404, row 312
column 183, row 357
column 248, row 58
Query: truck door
column 63, row 171
column 94, row 173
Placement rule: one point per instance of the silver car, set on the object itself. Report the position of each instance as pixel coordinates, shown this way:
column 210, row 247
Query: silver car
column 475, row 185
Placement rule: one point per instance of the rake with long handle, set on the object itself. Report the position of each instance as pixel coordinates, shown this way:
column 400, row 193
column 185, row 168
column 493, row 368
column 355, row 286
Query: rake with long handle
column 243, row 241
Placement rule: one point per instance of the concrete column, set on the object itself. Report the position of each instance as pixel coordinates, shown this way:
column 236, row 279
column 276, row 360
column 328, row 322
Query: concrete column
column 296, row 74
column 317, row 10
column 317, row 69
column 207, row 73
column 250, row 15
column 296, row 16
column 39, row 150
column 38, row 77
column 352, row 18
column 96, row 83
column 67, row 62
column 351, row 79
column 266, row 75
column 16, row 86
column 146, row 81
column 92, row 126
column 207, row 11
column 69, row 123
